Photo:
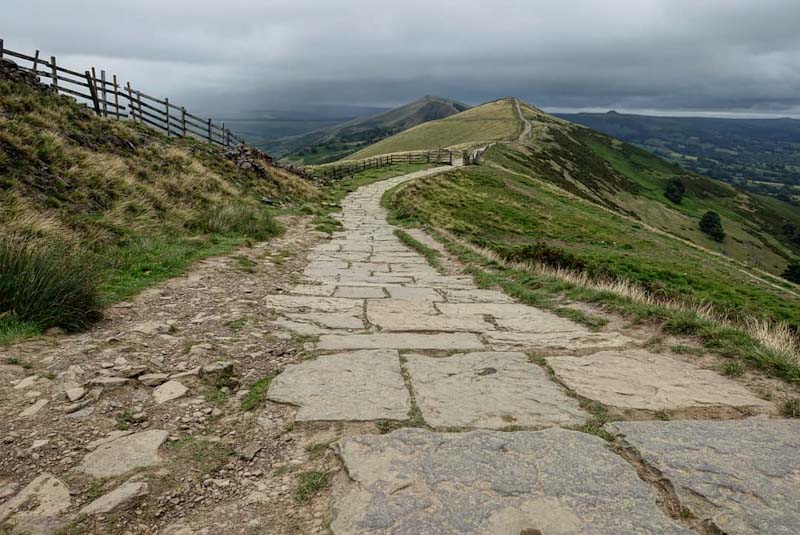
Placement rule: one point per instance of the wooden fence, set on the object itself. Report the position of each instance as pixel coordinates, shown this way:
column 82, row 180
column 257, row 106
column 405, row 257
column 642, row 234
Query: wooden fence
column 346, row 169
column 108, row 97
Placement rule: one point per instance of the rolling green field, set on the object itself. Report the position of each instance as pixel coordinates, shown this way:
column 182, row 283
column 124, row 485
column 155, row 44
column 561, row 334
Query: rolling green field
column 490, row 122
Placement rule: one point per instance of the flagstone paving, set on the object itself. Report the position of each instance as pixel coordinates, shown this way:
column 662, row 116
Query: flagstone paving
column 398, row 340
column 741, row 476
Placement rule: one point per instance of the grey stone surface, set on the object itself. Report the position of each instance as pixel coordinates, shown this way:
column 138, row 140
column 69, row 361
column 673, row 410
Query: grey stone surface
column 550, row 482
column 639, row 380
column 741, row 475
column 331, row 320
column 362, row 385
column 488, row 390
column 400, row 341
column 120, row 498
column 168, row 391
column 34, row 408
column 359, row 292
column 123, row 454
column 35, row 510
column 572, row 341
column 403, row 315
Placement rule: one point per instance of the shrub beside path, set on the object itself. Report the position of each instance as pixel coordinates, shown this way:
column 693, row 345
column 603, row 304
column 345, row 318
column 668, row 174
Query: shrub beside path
column 494, row 439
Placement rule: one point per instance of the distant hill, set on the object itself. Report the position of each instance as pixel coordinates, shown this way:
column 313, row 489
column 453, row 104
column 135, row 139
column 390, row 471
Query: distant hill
column 335, row 142
column 758, row 154
column 492, row 121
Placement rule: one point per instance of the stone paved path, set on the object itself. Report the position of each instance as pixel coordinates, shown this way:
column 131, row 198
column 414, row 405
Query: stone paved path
column 397, row 340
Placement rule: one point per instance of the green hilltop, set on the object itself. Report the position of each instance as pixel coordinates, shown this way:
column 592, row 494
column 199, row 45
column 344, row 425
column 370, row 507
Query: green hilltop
column 333, row 143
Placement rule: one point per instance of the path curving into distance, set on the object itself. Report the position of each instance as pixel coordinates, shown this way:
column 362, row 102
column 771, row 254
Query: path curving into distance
column 493, row 448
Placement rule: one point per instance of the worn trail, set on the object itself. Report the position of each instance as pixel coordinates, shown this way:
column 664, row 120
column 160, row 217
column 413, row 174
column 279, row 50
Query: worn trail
column 400, row 341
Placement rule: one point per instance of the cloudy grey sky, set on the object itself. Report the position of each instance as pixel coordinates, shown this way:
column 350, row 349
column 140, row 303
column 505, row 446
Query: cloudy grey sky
column 712, row 56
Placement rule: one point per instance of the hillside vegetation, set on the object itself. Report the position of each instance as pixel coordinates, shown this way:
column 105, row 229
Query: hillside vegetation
column 573, row 214
column 760, row 155
column 333, row 143
column 495, row 121
column 93, row 210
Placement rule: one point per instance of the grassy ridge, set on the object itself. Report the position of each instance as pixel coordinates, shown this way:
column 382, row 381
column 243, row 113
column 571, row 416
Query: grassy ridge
column 100, row 209
column 489, row 122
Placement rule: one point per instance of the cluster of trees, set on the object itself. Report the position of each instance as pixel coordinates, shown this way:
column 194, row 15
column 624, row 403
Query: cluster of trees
column 675, row 190
column 711, row 224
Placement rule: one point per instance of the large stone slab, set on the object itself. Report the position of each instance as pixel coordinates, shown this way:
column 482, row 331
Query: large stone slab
column 579, row 340
column 743, row 475
column 491, row 483
column 124, row 454
column 404, row 315
column 488, row 390
column 36, row 508
column 331, row 320
column 120, row 498
column 445, row 342
column 363, row 385
column 304, row 303
column 637, row 380
column 515, row 317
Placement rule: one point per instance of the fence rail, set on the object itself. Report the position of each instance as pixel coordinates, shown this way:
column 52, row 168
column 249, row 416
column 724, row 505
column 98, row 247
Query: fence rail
column 346, row 169
column 108, row 97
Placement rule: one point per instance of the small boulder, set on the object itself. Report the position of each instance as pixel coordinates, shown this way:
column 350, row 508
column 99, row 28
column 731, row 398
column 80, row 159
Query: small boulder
column 169, row 391
column 74, row 394
column 153, row 379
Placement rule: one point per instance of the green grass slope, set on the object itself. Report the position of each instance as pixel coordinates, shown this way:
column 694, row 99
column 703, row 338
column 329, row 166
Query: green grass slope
column 632, row 181
column 333, row 143
column 494, row 121
column 93, row 210
column 752, row 153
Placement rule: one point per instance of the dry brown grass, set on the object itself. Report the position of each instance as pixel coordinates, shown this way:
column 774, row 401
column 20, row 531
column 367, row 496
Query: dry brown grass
column 773, row 335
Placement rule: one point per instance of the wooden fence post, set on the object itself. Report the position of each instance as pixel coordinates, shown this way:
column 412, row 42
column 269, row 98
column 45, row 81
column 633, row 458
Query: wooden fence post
column 166, row 108
column 210, row 139
column 54, row 71
column 183, row 121
column 103, row 90
column 35, row 62
column 116, row 97
column 131, row 113
column 1, row 48
column 92, row 92
column 223, row 133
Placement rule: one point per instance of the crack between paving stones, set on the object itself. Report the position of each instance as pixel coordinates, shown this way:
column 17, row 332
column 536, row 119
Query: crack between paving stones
column 666, row 497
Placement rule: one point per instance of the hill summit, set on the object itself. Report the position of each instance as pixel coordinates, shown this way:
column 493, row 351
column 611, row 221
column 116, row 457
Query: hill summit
column 336, row 142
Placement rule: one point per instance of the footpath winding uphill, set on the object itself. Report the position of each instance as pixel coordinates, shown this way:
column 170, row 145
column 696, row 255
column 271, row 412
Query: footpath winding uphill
column 486, row 443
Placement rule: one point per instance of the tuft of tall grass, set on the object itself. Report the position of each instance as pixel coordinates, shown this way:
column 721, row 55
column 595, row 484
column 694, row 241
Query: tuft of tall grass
column 237, row 218
column 46, row 285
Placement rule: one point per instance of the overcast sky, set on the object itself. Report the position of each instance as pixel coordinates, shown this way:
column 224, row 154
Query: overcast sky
column 730, row 56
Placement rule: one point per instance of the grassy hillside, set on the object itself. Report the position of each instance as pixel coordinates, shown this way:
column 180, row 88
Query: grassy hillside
column 634, row 182
column 573, row 215
column 93, row 210
column 333, row 143
column 494, row 121
column 758, row 154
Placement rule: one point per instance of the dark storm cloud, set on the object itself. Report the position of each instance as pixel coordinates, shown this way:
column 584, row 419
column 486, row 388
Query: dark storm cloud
column 714, row 55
